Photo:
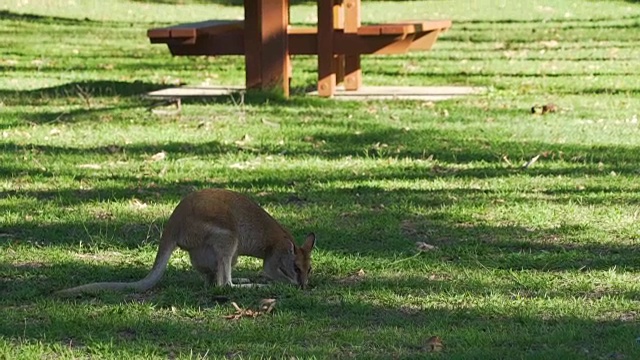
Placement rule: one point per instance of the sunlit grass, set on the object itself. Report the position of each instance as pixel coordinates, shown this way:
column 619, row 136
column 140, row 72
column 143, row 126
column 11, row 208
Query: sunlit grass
column 538, row 262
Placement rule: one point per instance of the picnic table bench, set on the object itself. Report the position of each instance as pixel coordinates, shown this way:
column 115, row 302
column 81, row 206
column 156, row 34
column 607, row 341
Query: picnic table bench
column 267, row 40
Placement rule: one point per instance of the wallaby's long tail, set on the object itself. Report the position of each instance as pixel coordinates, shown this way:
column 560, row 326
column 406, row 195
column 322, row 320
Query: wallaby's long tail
column 159, row 266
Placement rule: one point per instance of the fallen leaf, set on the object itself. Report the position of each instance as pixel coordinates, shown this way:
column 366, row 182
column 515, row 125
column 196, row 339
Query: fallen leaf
column 267, row 305
column 295, row 199
column 616, row 356
column 137, row 204
column 531, row 162
column 89, row 166
column 244, row 140
column 434, row 344
column 549, row 44
column 103, row 215
column 269, row 123
column 240, row 312
column 159, row 156
column 112, row 149
column 352, row 279
column 423, row 246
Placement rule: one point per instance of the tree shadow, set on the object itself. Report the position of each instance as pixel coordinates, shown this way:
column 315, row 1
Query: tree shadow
column 446, row 147
column 81, row 89
column 42, row 19
column 354, row 322
column 464, row 241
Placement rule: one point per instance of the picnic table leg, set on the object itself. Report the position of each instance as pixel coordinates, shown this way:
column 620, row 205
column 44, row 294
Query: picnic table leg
column 352, row 70
column 326, row 62
column 266, row 45
column 338, row 24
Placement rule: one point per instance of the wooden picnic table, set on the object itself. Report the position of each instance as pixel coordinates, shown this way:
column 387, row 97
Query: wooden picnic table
column 267, row 41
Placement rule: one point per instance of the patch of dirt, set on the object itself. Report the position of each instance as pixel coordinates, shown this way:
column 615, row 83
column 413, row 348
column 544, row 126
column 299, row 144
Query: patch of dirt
column 28, row 265
column 72, row 343
column 103, row 256
column 127, row 334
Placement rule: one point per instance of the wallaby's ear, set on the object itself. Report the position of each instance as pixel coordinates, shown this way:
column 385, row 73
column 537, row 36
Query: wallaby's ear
column 310, row 242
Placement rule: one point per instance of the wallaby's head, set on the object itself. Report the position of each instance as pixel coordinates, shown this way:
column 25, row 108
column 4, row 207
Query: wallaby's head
column 292, row 265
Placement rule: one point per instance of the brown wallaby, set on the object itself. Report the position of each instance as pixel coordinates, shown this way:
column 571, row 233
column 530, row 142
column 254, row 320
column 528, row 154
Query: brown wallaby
column 215, row 226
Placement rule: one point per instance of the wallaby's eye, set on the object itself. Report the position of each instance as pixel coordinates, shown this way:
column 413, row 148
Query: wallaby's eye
column 298, row 271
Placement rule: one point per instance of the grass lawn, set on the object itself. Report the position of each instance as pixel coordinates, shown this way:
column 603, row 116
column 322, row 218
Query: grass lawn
column 531, row 263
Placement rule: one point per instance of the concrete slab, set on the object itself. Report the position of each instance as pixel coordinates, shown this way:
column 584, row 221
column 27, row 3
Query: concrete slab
column 421, row 93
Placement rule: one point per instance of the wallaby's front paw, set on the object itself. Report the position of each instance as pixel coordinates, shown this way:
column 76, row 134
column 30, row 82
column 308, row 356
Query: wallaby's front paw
column 249, row 285
column 241, row 281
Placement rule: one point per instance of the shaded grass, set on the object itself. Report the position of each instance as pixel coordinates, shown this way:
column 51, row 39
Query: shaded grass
column 533, row 263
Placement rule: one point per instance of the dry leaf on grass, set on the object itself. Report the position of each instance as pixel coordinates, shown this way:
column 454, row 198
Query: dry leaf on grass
column 423, row 246
column 352, row 279
column 269, row 123
column 137, row 204
column 159, row 156
column 434, row 344
column 89, row 166
column 531, row 162
column 550, row 44
column 244, row 140
column 266, row 307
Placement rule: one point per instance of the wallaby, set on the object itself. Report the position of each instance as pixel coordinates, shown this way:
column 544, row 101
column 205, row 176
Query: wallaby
column 215, row 226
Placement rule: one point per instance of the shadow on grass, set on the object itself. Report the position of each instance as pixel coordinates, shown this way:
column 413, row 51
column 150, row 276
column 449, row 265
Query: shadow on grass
column 41, row 19
column 83, row 90
column 449, row 148
column 464, row 241
column 355, row 326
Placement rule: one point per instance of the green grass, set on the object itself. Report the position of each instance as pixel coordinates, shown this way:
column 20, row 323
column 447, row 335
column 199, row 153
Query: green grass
column 534, row 263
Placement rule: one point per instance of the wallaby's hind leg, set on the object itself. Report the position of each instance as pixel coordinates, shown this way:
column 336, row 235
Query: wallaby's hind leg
column 238, row 280
column 223, row 271
column 223, row 245
column 203, row 259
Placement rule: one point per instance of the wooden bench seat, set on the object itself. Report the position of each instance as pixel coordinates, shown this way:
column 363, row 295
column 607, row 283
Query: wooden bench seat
column 190, row 32
column 220, row 37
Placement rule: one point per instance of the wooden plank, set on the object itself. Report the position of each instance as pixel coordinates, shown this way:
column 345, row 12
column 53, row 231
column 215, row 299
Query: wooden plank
column 424, row 41
column 326, row 72
column 353, row 44
column 184, row 33
column 159, row 33
column 229, row 43
column 195, row 29
column 404, row 27
column 351, row 16
column 303, row 43
column 397, row 29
